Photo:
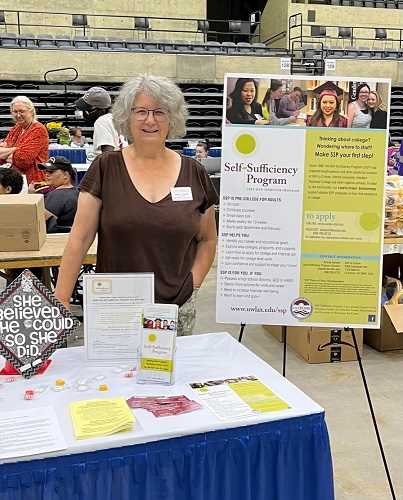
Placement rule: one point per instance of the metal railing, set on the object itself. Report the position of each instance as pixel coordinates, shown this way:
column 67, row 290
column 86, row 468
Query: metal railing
column 132, row 26
column 390, row 37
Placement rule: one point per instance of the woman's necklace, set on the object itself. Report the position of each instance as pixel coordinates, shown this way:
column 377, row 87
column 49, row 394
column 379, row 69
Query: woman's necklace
column 25, row 129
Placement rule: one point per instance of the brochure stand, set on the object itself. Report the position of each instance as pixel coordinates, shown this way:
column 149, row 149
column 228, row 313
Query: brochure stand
column 364, row 380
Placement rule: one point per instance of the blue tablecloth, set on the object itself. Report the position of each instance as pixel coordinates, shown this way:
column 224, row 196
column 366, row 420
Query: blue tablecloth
column 75, row 155
column 282, row 460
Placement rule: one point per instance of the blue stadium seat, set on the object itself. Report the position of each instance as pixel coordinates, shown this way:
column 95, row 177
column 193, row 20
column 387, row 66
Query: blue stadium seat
column 27, row 40
column 117, row 44
column 83, row 43
column 8, row 40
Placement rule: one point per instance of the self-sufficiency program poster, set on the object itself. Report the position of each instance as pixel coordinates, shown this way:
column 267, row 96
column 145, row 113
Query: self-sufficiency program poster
column 302, row 200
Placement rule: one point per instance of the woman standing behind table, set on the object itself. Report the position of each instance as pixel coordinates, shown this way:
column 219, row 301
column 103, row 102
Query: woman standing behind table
column 26, row 145
column 129, row 198
column 269, row 105
column 245, row 110
column 377, row 111
column 77, row 139
column 328, row 110
column 358, row 115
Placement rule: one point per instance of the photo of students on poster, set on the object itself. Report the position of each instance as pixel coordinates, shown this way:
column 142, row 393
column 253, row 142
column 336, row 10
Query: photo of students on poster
column 297, row 102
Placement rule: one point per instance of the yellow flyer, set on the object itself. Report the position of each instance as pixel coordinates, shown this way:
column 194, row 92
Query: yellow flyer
column 100, row 417
column 238, row 397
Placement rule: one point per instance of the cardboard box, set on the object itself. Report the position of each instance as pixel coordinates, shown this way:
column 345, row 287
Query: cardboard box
column 324, row 345
column 22, row 222
column 276, row 331
column 390, row 335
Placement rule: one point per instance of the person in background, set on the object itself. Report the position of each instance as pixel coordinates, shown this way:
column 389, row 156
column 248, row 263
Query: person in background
column 96, row 105
column 358, row 115
column 291, row 103
column 26, row 144
column 269, row 105
column 61, row 202
column 133, row 192
column 244, row 109
column 379, row 116
column 77, row 138
column 10, row 181
column 328, row 109
column 201, row 150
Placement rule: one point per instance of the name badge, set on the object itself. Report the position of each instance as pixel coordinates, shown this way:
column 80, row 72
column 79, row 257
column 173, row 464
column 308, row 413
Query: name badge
column 181, row 194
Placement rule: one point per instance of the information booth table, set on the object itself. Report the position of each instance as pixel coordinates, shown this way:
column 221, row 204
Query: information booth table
column 280, row 455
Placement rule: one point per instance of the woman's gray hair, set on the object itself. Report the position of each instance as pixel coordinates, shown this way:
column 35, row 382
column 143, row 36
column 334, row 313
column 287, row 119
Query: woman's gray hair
column 24, row 100
column 159, row 88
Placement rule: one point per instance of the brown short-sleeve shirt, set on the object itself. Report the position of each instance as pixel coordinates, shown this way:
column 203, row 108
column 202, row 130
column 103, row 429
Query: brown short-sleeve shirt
column 135, row 235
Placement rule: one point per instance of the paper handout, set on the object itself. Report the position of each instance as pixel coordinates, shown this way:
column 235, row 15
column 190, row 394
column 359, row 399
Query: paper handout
column 100, row 417
column 29, row 432
column 239, row 397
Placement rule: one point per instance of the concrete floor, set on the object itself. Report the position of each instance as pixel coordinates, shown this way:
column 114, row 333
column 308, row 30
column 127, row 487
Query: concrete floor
column 358, row 468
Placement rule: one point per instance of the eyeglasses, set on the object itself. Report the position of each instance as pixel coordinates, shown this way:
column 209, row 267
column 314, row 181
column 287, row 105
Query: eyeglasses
column 19, row 111
column 141, row 114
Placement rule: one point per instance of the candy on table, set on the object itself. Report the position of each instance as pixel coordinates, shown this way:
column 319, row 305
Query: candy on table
column 103, row 387
column 60, row 384
column 29, row 394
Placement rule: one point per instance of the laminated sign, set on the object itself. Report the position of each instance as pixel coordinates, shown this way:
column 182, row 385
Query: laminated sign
column 33, row 324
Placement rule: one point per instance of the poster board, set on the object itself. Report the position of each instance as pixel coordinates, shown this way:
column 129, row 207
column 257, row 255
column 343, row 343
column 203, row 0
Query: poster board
column 301, row 210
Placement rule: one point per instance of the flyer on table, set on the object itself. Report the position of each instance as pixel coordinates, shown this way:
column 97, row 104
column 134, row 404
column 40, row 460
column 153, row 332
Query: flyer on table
column 302, row 200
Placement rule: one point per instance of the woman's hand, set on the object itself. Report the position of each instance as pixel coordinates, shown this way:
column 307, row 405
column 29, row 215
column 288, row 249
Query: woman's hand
column 261, row 122
column 31, row 188
column 5, row 152
column 292, row 119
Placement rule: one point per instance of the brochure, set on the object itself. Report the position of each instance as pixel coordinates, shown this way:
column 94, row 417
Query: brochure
column 157, row 347
column 164, row 406
column 240, row 397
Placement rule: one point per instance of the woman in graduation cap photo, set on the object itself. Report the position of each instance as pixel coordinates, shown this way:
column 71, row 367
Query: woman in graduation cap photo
column 328, row 111
column 244, row 109
column 358, row 115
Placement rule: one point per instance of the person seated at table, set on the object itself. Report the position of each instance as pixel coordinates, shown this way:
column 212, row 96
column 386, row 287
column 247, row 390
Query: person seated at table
column 77, row 138
column 245, row 109
column 27, row 142
column 328, row 111
column 61, row 202
column 96, row 105
column 11, row 181
column 201, row 150
column 131, row 193
column 377, row 110
column 269, row 110
column 291, row 103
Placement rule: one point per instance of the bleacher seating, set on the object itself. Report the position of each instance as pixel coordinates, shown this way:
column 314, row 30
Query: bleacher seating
column 65, row 42
column 52, row 103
